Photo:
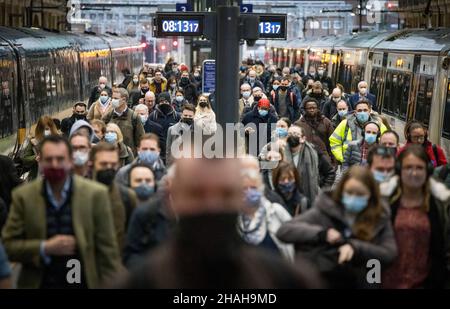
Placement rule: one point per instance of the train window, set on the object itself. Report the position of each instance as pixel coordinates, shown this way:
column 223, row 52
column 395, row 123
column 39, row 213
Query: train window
column 446, row 126
column 424, row 98
column 397, row 94
column 376, row 82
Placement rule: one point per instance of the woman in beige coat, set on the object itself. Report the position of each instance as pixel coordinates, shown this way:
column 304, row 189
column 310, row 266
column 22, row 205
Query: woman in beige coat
column 205, row 117
column 100, row 107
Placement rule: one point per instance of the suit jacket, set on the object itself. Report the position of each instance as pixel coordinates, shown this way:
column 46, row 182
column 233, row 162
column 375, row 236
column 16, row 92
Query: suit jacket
column 93, row 226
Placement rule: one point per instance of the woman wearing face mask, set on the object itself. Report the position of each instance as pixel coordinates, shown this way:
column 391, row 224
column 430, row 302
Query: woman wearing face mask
column 44, row 127
column 419, row 215
column 134, row 83
column 205, row 117
column 172, row 88
column 286, row 180
column 357, row 151
column 261, row 219
column 279, row 136
column 114, row 136
column 344, row 230
column 179, row 100
column 100, row 107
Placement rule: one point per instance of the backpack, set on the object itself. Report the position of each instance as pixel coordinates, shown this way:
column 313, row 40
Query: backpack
column 291, row 95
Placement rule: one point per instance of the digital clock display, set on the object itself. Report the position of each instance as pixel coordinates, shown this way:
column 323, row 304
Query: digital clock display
column 181, row 26
column 269, row 27
column 272, row 26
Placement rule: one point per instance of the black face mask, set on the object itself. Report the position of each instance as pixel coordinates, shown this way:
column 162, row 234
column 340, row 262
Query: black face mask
column 293, row 141
column 145, row 90
column 203, row 104
column 184, row 81
column 188, row 121
column 79, row 117
column 283, row 88
column 256, row 99
column 106, row 177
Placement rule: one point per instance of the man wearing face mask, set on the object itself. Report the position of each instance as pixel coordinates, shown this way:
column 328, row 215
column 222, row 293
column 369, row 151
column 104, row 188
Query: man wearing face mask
column 198, row 80
column 357, row 150
column 149, row 154
column 381, row 161
column 311, row 75
column 78, row 113
column 190, row 90
column 284, row 100
column 105, row 162
column 142, row 181
column 150, row 126
column 363, row 94
column 259, row 124
column 246, row 100
column 166, row 116
column 95, row 92
column 81, row 146
column 205, row 249
column 186, row 125
column 329, row 109
column 350, row 129
column 318, row 93
column 342, row 112
column 71, row 219
column 158, row 83
column 253, row 81
column 310, row 163
column 137, row 96
column 126, row 119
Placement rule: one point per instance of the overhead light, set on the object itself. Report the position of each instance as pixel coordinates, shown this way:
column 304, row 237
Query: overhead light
column 352, row 14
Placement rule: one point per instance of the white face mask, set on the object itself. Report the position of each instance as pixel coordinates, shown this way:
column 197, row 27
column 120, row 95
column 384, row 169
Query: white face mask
column 115, row 103
column 47, row 132
column 135, row 80
column 143, row 118
column 102, row 86
column 363, row 91
column 80, row 158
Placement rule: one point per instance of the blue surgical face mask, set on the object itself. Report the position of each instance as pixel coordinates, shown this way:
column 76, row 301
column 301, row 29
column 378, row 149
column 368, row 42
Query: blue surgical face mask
column 287, row 188
column 104, row 99
column 343, row 113
column 111, row 137
column 370, row 138
column 263, row 112
column 144, row 191
column 362, row 117
column 381, row 176
column 252, row 80
column 275, row 87
column 148, row 156
column 253, row 198
column 354, row 203
column 246, row 94
column 282, row 132
column 179, row 98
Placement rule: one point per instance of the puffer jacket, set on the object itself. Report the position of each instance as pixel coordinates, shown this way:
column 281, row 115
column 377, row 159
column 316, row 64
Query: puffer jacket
column 308, row 233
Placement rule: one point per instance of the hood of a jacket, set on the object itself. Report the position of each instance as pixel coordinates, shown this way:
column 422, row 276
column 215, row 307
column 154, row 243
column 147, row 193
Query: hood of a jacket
column 80, row 124
column 438, row 190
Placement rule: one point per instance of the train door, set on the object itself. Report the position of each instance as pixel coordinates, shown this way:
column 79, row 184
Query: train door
column 377, row 78
column 398, row 86
column 446, row 124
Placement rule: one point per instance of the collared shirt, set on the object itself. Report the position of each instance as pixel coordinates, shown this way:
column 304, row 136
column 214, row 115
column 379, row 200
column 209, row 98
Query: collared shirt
column 64, row 193
column 120, row 114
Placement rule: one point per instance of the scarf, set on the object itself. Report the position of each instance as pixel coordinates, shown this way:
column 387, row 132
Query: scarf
column 253, row 230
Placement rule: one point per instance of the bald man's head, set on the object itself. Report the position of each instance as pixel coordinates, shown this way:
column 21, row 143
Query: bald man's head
column 217, row 187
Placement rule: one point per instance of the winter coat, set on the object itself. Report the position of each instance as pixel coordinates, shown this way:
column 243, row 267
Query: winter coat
column 207, row 121
column 428, row 146
column 67, row 123
column 123, row 174
column 163, row 86
column 290, row 101
column 308, row 233
column 309, row 95
column 265, row 123
column 353, row 154
column 190, row 92
column 130, row 125
column 369, row 97
column 95, row 112
column 315, row 171
column 439, row 272
column 95, row 94
column 318, row 134
column 174, row 132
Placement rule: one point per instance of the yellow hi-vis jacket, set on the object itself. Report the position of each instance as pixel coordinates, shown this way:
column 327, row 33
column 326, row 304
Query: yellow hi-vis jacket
column 339, row 141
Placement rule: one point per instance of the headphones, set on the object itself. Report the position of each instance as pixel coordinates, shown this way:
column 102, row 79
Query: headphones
column 408, row 126
column 363, row 133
